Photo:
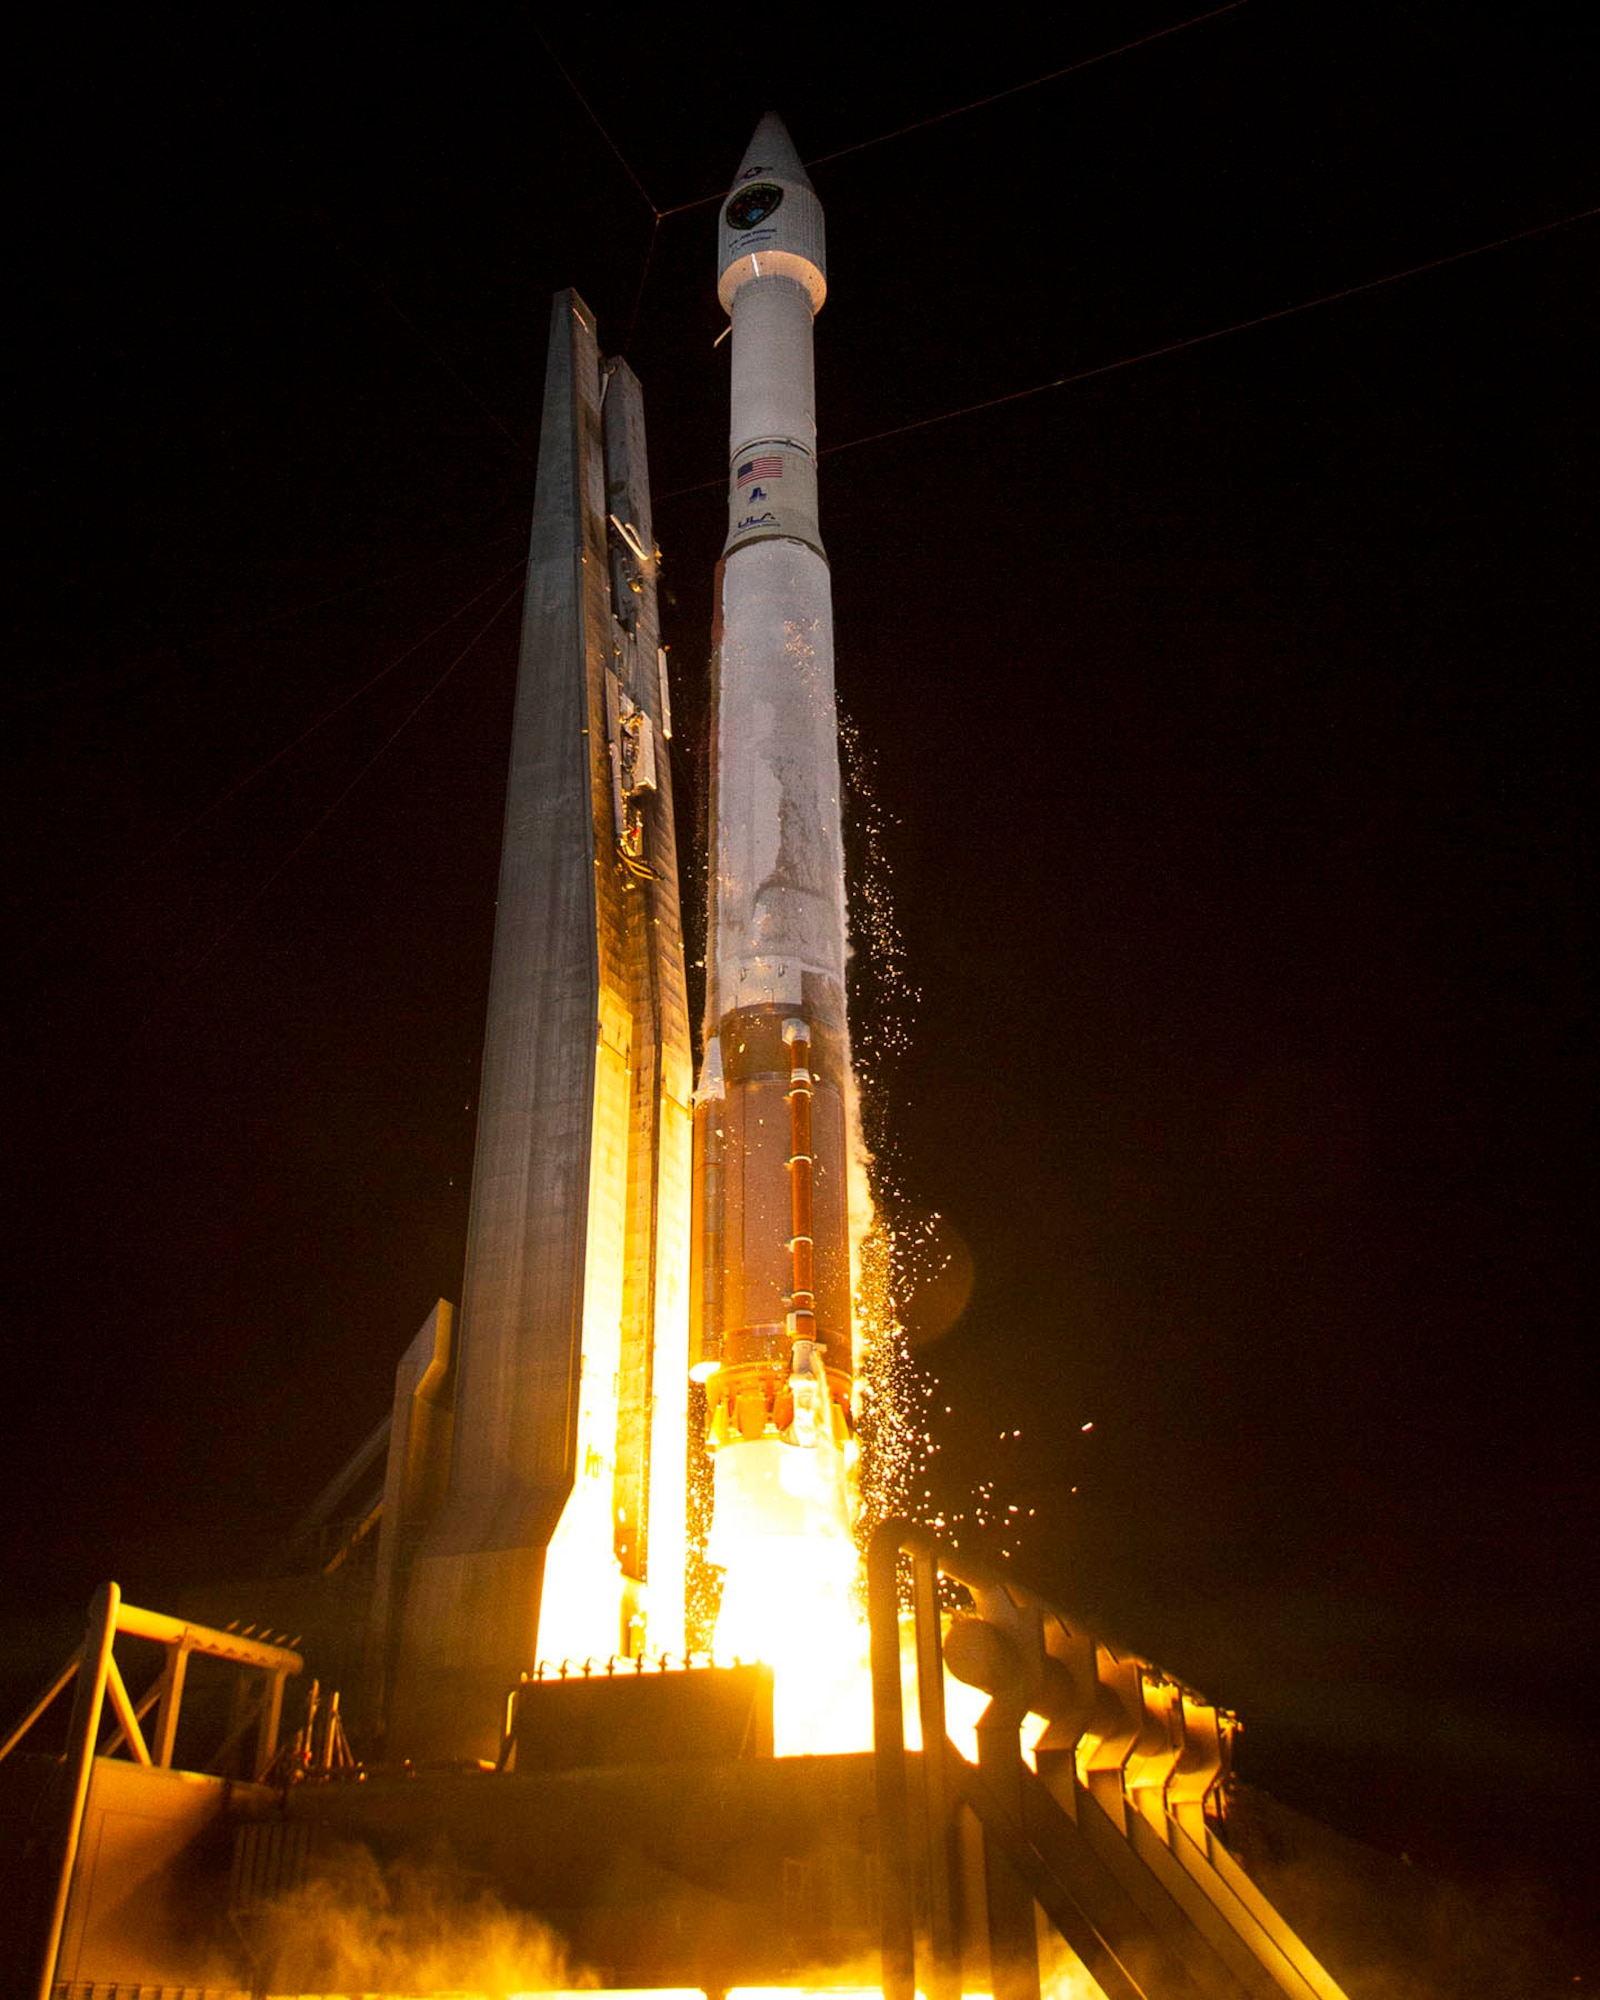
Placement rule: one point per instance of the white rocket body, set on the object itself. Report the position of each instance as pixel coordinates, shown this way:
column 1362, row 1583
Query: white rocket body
column 780, row 867
column 773, row 1337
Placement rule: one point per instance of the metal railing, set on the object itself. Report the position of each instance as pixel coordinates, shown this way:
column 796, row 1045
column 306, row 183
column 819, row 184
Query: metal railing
column 1111, row 1832
column 99, row 1681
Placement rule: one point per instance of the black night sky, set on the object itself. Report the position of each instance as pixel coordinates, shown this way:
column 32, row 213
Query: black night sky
column 1223, row 722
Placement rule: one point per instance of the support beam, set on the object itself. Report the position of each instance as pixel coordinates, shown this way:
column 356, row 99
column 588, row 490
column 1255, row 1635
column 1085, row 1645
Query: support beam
column 83, row 1732
column 128, row 1730
column 170, row 1689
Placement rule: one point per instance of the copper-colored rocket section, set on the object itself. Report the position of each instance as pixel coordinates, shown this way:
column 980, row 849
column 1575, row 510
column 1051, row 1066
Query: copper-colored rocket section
column 802, row 1296
column 771, row 1222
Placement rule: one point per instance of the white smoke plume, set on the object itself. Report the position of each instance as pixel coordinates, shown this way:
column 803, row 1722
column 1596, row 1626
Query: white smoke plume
column 407, row 1929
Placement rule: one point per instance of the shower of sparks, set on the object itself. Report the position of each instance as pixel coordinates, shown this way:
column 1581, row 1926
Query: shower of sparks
column 883, row 1000
column 890, row 1420
column 892, row 1392
column 702, row 1580
column 749, row 1608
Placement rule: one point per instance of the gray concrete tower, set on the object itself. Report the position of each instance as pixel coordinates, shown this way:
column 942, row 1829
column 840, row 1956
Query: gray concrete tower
column 563, row 1530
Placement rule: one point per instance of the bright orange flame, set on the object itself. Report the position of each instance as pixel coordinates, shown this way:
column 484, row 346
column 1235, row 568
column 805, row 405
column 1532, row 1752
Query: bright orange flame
column 781, row 1533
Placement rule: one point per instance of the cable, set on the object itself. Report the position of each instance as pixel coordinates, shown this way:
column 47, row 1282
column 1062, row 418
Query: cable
column 183, row 53
column 656, row 213
column 683, row 207
column 28, row 951
column 416, row 332
column 306, row 839
column 1176, row 346
column 1015, row 89
column 181, row 978
column 407, row 575
column 1221, row 332
column 593, row 116
column 978, row 103
column 638, row 297
column 857, row 146
column 55, row 691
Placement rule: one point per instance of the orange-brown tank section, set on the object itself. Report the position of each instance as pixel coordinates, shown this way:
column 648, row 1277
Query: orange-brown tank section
column 770, row 1173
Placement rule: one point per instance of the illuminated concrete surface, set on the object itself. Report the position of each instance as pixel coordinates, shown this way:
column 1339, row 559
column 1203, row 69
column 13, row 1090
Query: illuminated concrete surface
column 563, row 1530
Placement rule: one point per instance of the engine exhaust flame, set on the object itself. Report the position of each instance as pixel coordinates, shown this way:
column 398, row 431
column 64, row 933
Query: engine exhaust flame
column 782, row 1535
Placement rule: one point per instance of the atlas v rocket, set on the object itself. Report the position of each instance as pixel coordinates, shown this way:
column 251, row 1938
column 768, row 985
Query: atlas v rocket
column 771, row 1332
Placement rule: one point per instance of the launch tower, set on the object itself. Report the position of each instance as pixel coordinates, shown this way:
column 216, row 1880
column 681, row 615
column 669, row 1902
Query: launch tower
column 563, row 1531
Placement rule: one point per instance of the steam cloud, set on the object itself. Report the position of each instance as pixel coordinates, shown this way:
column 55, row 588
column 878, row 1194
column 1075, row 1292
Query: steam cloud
column 406, row 1929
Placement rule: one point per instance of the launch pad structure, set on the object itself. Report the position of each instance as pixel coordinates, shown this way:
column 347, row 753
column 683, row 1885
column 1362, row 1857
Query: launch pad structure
column 497, row 1583
column 641, row 1815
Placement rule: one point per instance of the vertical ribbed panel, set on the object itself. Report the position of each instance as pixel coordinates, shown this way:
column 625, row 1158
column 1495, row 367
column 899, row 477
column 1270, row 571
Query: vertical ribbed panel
column 521, row 1306
column 473, row 1601
column 559, row 1536
column 648, row 1514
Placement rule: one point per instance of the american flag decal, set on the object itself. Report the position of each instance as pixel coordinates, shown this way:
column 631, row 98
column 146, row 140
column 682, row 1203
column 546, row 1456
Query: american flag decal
column 768, row 467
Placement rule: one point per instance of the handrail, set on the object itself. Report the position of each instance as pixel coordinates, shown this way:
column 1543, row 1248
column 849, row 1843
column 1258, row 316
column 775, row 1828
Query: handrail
column 1112, row 1838
column 99, row 1679
column 945, row 1775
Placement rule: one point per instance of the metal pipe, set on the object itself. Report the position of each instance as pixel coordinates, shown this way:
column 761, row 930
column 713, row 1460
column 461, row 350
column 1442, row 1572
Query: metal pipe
column 1173, row 1904
column 141, row 1708
column 705, row 1226
column 82, row 1733
column 40, row 1704
column 897, row 1934
column 802, row 1291
column 171, row 1693
column 141, row 1624
column 944, row 1977
column 128, row 1730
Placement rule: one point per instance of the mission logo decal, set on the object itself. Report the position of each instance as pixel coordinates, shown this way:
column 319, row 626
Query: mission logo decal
column 752, row 204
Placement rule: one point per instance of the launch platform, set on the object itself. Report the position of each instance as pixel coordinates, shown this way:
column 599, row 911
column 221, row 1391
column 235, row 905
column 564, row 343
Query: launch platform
column 641, row 1818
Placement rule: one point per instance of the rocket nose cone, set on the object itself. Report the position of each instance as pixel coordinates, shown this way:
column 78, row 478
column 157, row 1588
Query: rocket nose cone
column 770, row 155
column 771, row 224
